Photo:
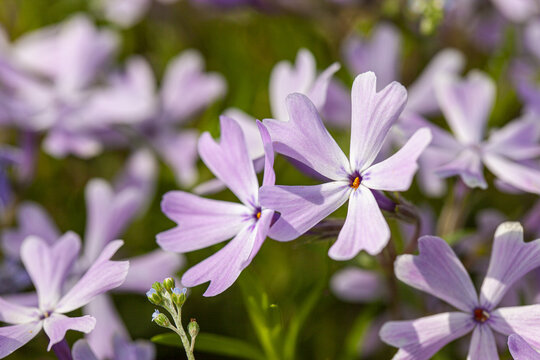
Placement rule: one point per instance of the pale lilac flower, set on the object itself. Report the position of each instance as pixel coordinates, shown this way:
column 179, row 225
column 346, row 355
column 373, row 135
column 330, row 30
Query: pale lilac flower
column 305, row 139
column 466, row 104
column 48, row 267
column 285, row 79
column 520, row 349
column 204, row 222
column 357, row 285
column 123, row 350
column 518, row 10
column 438, row 271
column 126, row 13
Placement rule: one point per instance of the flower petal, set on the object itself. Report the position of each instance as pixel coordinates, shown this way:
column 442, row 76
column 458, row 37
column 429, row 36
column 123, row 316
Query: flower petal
column 302, row 207
column 438, row 271
column 518, row 140
column 511, row 259
column 81, row 351
column 249, row 127
column 468, row 165
column 520, row 176
column 13, row 337
column 137, row 350
column 483, row 344
column 48, row 266
column 420, row 339
column 108, row 325
column 183, row 163
column 319, row 89
column 353, row 284
column 102, row 276
column 373, row 114
column 269, row 174
column 12, row 313
column 146, row 269
column 396, row 172
column 57, row 325
column 520, row 349
column 365, row 227
column 521, row 320
column 223, row 268
column 304, row 138
column 466, row 104
column 230, row 162
column 201, row 222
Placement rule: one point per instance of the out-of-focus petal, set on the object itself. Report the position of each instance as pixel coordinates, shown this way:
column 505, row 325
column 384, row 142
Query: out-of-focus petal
column 520, row 349
column 125, row 12
column 101, row 277
column 532, row 37
column 48, row 266
column 511, row 259
column 518, row 140
column 468, row 165
column 365, row 227
column 13, row 337
column 179, row 151
column 319, row 89
column 248, row 124
column 373, row 114
column 520, row 176
column 517, row 10
column 201, row 222
column 81, row 351
column 396, row 172
column 304, row 138
column 357, row 285
column 14, row 313
column 137, row 350
column 57, row 325
column 420, row 339
column 302, row 207
column 438, row 271
column 337, row 107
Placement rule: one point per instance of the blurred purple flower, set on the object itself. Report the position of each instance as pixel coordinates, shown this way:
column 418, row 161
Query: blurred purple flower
column 305, row 139
column 520, row 349
column 48, row 267
column 123, row 350
column 438, row 271
column 126, row 13
column 524, row 74
column 518, row 10
column 353, row 284
column 205, row 222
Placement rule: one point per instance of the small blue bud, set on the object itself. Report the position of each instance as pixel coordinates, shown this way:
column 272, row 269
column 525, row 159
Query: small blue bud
column 154, row 297
column 179, row 296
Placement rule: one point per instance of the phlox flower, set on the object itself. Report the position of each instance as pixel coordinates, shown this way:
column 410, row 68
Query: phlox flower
column 123, row 350
column 48, row 267
column 520, row 349
column 204, row 222
column 438, row 271
column 305, row 139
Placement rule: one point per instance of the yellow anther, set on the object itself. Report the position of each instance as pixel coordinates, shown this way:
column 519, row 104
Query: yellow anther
column 356, row 183
column 258, row 215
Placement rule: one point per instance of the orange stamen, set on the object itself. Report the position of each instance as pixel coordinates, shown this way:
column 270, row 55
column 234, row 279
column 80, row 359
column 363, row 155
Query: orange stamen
column 258, row 215
column 356, row 183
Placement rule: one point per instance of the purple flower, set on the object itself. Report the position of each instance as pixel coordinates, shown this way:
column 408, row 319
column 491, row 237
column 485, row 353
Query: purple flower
column 520, row 349
column 305, row 139
column 517, row 10
column 48, row 267
column 438, row 271
column 205, row 222
column 466, row 104
column 123, row 350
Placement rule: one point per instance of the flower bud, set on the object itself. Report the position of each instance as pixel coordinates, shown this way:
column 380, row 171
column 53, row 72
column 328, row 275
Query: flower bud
column 179, row 296
column 160, row 319
column 158, row 287
column 154, row 297
column 168, row 284
column 193, row 329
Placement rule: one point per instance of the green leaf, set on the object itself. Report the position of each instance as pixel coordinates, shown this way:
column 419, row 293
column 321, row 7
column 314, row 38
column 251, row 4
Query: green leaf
column 357, row 333
column 215, row 344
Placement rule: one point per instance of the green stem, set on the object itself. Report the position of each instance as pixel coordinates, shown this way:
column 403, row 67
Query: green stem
column 179, row 329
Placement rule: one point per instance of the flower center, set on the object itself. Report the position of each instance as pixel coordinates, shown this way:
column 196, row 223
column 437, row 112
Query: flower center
column 45, row 315
column 355, row 180
column 258, row 216
column 481, row 315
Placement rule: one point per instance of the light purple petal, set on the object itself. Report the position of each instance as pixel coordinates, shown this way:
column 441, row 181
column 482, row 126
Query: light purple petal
column 353, row 284
column 521, row 320
column 57, row 325
column 248, row 124
column 223, row 268
column 337, row 108
column 137, row 350
column 518, row 140
column 365, row 227
column 422, row 98
column 511, row 259
column 468, row 165
column 101, row 277
column 269, row 174
column 201, row 222
column 532, row 37
column 438, row 271
column 379, row 54
column 108, row 325
column 13, row 337
column 32, row 219
column 146, row 269
column 287, row 79
column 373, row 114
column 179, row 151
column 520, row 349
column 483, row 344
column 81, row 351
column 230, row 162
column 319, row 89
column 187, row 89
column 396, row 172
column 125, row 12
column 108, row 214
column 48, row 266
column 304, row 138
column 420, row 339
column 14, row 313
column 520, row 176
column 517, row 10
column 466, row 104
column 302, row 207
